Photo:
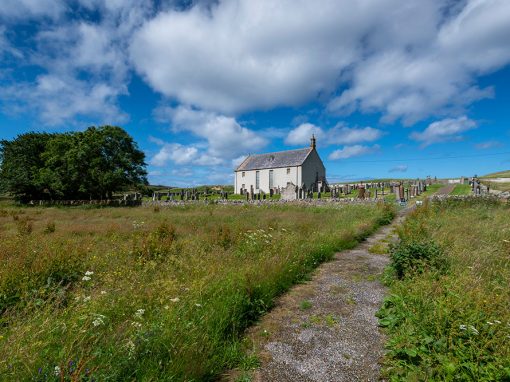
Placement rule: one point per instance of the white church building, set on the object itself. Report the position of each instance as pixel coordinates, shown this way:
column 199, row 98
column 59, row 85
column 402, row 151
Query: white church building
column 263, row 172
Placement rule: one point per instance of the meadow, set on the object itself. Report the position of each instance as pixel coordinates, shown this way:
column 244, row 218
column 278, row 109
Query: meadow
column 448, row 312
column 119, row 294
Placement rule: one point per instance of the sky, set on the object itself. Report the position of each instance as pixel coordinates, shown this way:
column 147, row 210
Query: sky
column 390, row 88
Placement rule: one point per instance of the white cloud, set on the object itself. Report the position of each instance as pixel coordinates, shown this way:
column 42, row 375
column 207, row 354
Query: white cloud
column 353, row 151
column 338, row 135
column 301, row 135
column 400, row 168
column 445, row 130
column 225, row 137
column 437, row 76
column 176, row 153
column 244, row 55
column 84, row 69
column 488, row 145
column 31, row 8
column 406, row 61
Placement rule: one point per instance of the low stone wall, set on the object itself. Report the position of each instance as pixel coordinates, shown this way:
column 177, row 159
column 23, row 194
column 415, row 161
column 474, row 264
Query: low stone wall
column 106, row 203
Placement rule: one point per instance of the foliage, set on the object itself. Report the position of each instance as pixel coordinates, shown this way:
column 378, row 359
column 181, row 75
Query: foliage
column 455, row 325
column 82, row 165
column 127, row 294
column 409, row 257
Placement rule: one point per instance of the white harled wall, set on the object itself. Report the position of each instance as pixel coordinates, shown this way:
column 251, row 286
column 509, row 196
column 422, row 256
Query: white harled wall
column 280, row 178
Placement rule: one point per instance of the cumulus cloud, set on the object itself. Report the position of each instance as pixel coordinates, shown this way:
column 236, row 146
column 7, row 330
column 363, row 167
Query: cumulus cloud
column 406, row 61
column 400, row 168
column 225, row 138
column 436, row 76
column 83, row 65
column 337, row 135
column 301, row 135
column 353, row 151
column 449, row 129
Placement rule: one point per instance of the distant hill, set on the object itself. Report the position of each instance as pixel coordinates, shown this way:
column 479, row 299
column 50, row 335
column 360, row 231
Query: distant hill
column 500, row 174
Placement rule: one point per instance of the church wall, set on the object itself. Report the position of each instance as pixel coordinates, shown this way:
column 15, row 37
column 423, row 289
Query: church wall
column 280, row 178
column 312, row 165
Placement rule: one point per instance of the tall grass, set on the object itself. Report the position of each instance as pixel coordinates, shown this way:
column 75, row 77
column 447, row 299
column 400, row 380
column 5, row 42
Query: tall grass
column 138, row 294
column 448, row 315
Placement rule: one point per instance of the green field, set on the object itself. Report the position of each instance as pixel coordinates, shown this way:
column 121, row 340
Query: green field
column 461, row 189
column 448, row 313
column 165, row 294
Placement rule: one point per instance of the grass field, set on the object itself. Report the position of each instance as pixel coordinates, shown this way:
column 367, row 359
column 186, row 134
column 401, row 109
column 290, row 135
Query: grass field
column 148, row 294
column 461, row 189
column 448, row 314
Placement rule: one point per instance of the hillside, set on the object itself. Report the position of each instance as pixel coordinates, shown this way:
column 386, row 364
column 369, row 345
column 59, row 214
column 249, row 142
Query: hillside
column 500, row 174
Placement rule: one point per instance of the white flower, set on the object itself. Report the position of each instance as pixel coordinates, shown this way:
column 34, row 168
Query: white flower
column 497, row 321
column 490, row 323
column 85, row 278
column 176, row 299
column 130, row 347
column 136, row 324
column 166, row 307
column 57, row 370
column 103, row 292
column 139, row 313
column 89, row 273
column 199, row 305
column 462, row 327
column 86, row 299
column 98, row 321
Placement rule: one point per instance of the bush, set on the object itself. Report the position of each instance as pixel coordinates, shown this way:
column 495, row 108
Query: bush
column 411, row 257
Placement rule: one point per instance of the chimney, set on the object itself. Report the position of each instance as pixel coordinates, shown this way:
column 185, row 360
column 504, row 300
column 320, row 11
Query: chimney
column 313, row 142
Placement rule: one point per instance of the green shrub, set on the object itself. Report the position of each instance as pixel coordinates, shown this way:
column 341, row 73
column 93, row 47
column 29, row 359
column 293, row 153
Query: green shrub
column 409, row 257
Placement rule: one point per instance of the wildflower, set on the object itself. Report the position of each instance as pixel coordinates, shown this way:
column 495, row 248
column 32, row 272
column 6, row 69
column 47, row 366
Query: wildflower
column 86, row 299
column 462, row 327
column 199, row 305
column 85, row 278
column 130, row 347
column 57, row 370
column 136, row 324
column 139, row 313
column 98, row 320
column 497, row 321
column 89, row 273
column 176, row 299
column 166, row 307
column 490, row 323
column 103, row 292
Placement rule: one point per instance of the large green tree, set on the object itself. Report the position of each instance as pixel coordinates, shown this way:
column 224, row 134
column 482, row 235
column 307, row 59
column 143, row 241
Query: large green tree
column 91, row 164
column 21, row 161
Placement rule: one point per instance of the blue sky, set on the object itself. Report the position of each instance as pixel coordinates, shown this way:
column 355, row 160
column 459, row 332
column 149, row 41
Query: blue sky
column 391, row 88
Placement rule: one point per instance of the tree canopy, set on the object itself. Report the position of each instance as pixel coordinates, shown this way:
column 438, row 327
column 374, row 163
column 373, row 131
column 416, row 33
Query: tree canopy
column 92, row 164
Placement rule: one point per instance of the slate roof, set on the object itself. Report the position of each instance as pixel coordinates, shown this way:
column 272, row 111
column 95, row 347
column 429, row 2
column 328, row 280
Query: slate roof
column 275, row 160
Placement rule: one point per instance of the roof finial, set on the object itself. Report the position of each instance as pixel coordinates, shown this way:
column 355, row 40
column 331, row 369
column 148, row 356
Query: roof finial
column 313, row 142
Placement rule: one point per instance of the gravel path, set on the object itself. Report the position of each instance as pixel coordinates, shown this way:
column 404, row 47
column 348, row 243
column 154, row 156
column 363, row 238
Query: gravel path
column 326, row 330
column 446, row 190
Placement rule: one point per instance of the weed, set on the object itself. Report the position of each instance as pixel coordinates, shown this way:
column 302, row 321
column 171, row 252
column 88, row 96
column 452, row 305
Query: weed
column 305, row 305
column 50, row 227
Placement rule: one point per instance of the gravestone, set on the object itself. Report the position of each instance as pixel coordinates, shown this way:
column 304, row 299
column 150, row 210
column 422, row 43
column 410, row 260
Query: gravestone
column 289, row 192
